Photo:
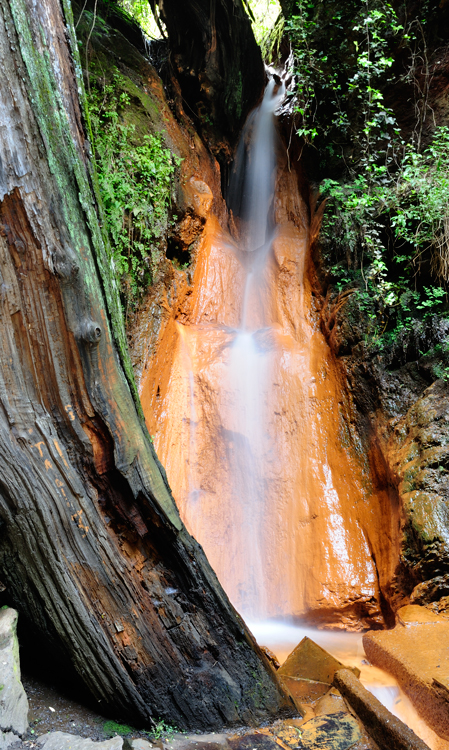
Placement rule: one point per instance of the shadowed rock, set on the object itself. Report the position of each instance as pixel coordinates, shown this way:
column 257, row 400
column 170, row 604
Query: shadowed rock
column 63, row 741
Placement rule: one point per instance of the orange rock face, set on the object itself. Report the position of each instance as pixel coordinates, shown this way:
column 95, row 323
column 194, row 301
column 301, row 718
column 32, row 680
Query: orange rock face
column 253, row 430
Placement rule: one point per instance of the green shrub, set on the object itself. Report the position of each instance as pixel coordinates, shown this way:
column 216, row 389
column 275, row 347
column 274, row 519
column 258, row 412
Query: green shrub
column 135, row 179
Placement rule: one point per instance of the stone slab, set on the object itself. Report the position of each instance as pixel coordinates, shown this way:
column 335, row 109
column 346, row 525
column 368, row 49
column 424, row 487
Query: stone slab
column 211, row 741
column 13, row 700
column 387, row 731
column 418, row 657
column 331, row 703
column 412, row 614
column 303, row 691
column 310, row 661
column 64, row 741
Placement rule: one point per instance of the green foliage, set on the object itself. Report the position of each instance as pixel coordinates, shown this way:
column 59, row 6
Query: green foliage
column 420, row 204
column 265, row 14
column 414, row 203
column 141, row 12
column 162, row 730
column 111, row 728
column 341, row 59
column 385, row 231
column 135, row 178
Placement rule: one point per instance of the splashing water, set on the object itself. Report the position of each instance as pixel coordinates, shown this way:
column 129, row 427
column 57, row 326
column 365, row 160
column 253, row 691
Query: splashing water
column 282, row 638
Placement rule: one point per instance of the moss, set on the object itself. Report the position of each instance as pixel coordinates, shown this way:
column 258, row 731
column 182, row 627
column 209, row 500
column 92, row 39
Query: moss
column 73, row 181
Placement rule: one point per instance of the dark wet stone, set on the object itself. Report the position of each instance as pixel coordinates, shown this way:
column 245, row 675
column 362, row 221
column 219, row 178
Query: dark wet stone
column 332, row 732
column 254, row 742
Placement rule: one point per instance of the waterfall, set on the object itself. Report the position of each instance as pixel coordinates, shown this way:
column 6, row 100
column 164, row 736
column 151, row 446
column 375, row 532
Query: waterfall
column 249, row 363
column 245, row 403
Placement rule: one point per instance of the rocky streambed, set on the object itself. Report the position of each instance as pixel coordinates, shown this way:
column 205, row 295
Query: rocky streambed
column 333, row 709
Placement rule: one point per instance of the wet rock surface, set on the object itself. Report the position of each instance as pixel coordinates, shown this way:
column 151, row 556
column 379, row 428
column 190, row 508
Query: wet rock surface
column 400, row 406
column 418, row 657
column 385, row 729
column 326, row 722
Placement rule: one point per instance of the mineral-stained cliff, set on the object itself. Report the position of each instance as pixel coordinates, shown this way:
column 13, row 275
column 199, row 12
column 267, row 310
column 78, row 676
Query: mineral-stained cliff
column 356, row 483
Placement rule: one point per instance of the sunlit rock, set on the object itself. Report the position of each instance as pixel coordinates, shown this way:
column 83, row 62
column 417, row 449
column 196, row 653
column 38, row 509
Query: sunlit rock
column 418, row 657
column 310, row 661
column 412, row 614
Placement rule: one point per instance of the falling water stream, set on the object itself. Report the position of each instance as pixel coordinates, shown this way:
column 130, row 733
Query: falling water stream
column 247, row 418
column 249, row 361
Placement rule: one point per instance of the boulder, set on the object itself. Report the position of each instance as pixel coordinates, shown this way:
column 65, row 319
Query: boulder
column 13, row 700
column 64, row 741
column 412, row 614
column 311, row 662
column 418, row 657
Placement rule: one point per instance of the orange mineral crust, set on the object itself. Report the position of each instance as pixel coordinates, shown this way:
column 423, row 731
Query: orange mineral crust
column 253, row 427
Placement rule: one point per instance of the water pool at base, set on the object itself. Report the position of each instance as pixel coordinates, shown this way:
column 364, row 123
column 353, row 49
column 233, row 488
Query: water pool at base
column 281, row 638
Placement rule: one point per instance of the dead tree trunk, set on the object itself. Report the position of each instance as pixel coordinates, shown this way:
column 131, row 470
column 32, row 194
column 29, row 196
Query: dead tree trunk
column 92, row 550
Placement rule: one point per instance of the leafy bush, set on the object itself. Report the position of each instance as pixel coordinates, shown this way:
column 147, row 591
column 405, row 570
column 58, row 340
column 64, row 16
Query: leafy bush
column 162, row 730
column 135, row 179
column 387, row 212
column 414, row 202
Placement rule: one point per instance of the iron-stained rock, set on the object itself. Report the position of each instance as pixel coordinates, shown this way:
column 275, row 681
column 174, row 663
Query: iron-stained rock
column 302, row 690
column 412, row 614
column 331, row 703
column 337, row 731
column 418, row 657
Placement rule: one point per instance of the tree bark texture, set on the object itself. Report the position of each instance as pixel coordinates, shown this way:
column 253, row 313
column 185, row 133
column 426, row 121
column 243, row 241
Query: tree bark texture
column 92, row 549
column 217, row 62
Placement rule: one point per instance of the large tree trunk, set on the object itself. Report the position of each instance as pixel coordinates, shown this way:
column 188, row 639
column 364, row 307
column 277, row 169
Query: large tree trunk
column 92, row 550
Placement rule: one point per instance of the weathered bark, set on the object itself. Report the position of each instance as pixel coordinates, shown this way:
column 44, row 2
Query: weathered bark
column 92, row 550
column 217, row 62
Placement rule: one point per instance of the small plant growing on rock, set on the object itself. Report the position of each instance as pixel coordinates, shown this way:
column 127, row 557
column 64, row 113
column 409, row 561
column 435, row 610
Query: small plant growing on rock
column 135, row 178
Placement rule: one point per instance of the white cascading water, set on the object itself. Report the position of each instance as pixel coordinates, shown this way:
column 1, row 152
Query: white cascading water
column 249, row 363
